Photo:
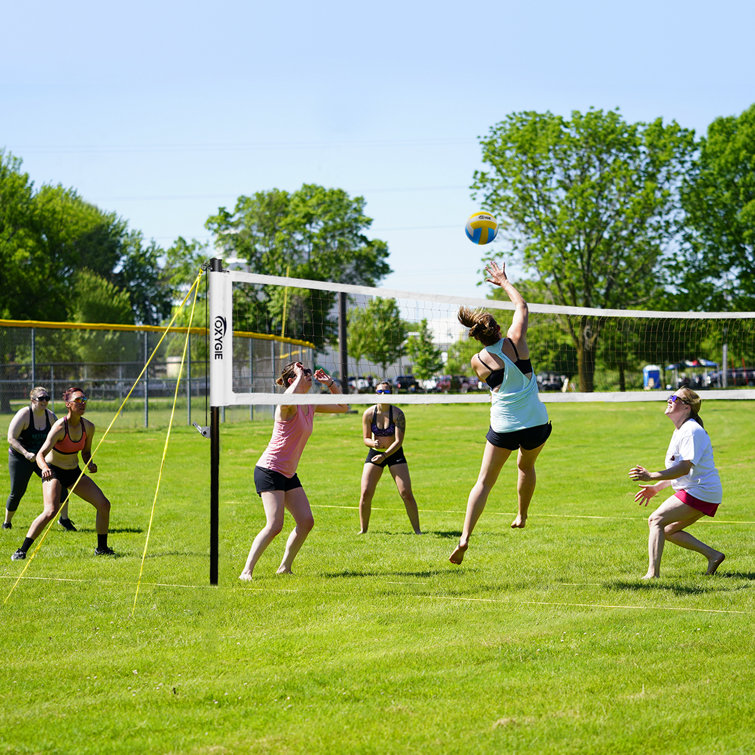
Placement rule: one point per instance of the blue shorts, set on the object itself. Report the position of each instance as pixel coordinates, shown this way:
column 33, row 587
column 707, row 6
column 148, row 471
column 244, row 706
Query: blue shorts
column 395, row 458
column 528, row 439
column 267, row 480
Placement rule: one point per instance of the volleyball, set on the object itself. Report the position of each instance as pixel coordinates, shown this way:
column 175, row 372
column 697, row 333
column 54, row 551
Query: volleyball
column 481, row 228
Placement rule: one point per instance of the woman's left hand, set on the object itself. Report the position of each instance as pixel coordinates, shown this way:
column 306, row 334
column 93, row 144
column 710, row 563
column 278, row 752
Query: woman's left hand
column 644, row 494
column 92, row 467
column 322, row 377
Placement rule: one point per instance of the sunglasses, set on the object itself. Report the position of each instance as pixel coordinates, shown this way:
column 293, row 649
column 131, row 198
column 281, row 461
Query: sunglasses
column 383, row 390
column 79, row 400
column 673, row 398
column 41, row 398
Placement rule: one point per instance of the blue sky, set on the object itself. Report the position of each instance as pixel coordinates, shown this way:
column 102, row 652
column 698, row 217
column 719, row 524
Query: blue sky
column 164, row 111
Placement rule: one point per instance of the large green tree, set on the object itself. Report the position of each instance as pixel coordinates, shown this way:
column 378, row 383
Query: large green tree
column 426, row 357
column 719, row 199
column 590, row 204
column 314, row 233
column 377, row 332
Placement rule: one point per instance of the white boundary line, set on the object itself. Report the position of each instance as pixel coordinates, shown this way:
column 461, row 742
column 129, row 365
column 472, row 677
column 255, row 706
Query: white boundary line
column 456, row 598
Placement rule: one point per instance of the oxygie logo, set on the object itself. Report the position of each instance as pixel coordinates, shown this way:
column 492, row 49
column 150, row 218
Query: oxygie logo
column 219, row 328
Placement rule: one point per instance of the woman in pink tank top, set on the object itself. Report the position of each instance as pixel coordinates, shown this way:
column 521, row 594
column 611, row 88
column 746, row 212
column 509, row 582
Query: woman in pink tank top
column 275, row 475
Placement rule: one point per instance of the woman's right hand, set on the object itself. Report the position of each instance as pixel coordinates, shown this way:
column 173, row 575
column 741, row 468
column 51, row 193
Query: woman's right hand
column 496, row 274
column 46, row 473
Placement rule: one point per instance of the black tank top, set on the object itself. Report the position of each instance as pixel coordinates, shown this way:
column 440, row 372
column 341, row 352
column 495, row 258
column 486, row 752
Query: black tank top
column 31, row 438
column 496, row 375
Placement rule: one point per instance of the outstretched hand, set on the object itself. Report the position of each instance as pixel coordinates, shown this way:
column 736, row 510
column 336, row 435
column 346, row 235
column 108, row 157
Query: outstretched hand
column 496, row 274
column 639, row 473
column 322, row 377
column 644, row 494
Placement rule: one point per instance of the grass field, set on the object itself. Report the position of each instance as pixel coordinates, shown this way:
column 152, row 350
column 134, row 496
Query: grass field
column 543, row 640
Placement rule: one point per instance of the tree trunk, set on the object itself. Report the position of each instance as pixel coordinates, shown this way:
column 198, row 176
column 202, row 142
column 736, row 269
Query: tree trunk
column 586, row 355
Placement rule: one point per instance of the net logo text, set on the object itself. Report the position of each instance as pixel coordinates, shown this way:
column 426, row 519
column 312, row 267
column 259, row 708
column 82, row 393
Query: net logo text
column 219, row 326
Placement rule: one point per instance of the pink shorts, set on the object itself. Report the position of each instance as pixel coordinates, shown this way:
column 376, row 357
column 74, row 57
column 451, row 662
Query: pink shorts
column 709, row 509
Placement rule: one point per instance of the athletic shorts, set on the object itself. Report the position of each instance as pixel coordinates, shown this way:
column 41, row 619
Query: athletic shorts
column 267, row 480
column 66, row 477
column 395, row 458
column 709, row 509
column 528, row 439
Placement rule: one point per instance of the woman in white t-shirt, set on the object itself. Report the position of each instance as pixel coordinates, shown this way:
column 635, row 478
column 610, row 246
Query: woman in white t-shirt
column 690, row 471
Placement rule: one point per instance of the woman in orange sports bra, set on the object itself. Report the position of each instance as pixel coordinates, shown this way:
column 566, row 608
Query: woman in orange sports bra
column 59, row 461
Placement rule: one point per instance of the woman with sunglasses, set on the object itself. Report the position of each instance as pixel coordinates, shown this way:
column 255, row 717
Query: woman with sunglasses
column 58, row 458
column 518, row 419
column 275, row 475
column 383, row 427
column 26, row 433
column 692, row 474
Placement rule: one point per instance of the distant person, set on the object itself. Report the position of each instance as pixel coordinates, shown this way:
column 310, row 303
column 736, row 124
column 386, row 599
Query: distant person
column 383, row 427
column 275, row 475
column 692, row 474
column 518, row 419
column 27, row 432
column 58, row 458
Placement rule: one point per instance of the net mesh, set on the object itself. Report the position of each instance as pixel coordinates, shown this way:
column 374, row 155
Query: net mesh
column 415, row 341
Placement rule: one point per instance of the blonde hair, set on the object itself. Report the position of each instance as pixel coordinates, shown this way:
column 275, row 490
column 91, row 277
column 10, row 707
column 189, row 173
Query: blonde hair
column 693, row 401
column 481, row 324
column 38, row 390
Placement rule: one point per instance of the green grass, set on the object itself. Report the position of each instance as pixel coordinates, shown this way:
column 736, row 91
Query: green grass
column 543, row 640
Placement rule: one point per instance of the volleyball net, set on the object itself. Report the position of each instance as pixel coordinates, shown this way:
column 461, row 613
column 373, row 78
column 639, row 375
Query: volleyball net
column 362, row 335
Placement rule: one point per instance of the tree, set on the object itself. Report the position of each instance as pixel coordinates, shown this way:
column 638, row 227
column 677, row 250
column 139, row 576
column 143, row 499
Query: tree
column 460, row 355
column 719, row 199
column 590, row 204
column 377, row 332
column 426, row 358
column 314, row 233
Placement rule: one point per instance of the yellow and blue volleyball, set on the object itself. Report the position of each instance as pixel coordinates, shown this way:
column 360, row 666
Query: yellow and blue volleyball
column 481, row 228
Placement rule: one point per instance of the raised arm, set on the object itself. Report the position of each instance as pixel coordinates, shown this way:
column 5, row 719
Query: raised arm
column 518, row 330
column 322, row 377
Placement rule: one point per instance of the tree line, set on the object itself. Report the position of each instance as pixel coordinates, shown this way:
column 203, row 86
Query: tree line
column 599, row 211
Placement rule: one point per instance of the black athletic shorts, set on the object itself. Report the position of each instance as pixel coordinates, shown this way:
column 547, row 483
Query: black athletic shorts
column 66, row 477
column 529, row 438
column 395, row 458
column 267, row 480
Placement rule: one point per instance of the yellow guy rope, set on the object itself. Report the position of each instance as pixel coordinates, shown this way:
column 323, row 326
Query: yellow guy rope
column 194, row 287
column 165, row 451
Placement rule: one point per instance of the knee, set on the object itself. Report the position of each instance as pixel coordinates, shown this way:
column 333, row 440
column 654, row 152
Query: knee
column 655, row 521
column 274, row 528
column 305, row 525
column 105, row 505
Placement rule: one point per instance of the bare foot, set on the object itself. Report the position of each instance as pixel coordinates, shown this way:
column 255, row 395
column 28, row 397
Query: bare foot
column 519, row 522
column 362, row 532
column 650, row 576
column 458, row 555
column 418, row 532
column 714, row 563
column 245, row 576
column 284, row 570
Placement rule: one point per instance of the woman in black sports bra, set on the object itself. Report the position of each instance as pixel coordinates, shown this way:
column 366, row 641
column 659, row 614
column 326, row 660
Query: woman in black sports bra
column 383, row 428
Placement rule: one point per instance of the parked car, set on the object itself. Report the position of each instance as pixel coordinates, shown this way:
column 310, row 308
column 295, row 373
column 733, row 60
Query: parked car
column 406, row 383
column 361, row 384
column 734, row 377
column 549, row 381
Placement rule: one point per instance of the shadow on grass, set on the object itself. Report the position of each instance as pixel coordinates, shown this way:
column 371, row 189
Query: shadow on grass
column 112, row 531
column 648, row 585
column 350, row 573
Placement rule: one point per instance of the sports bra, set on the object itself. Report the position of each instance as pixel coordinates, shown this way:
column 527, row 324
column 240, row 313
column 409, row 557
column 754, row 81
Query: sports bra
column 380, row 432
column 68, row 445
column 496, row 375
